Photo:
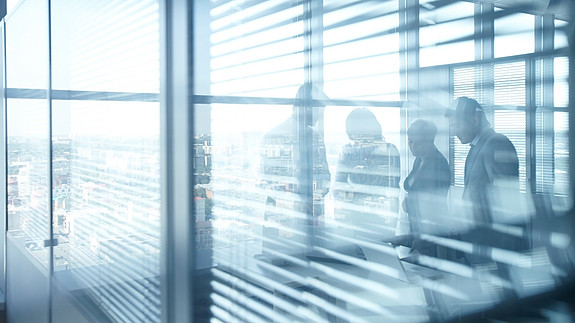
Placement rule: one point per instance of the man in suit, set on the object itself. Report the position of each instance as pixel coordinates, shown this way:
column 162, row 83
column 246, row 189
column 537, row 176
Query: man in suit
column 491, row 182
column 491, row 163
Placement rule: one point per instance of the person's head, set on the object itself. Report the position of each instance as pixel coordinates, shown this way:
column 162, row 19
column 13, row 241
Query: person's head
column 362, row 124
column 420, row 136
column 309, row 95
column 466, row 119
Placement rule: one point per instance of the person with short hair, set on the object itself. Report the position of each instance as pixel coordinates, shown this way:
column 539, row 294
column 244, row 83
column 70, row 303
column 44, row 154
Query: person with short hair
column 491, row 192
column 492, row 159
column 426, row 185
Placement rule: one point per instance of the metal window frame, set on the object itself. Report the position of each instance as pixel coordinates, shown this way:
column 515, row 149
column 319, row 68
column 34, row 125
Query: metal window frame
column 177, row 181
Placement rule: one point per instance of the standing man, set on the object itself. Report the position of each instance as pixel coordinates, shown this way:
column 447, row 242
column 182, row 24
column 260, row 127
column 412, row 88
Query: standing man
column 491, row 182
column 491, row 163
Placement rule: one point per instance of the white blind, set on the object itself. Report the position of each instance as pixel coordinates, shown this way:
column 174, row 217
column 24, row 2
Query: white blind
column 317, row 252
column 552, row 127
column 361, row 50
column 510, row 92
column 257, row 48
column 445, row 32
column 465, row 82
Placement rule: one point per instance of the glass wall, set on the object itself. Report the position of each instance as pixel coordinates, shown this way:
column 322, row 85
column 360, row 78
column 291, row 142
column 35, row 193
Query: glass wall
column 289, row 161
column 322, row 205
column 27, row 111
column 84, row 160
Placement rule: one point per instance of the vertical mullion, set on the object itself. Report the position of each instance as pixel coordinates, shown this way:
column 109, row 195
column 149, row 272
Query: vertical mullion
column 316, row 42
column 542, row 69
column 484, row 49
column 50, row 167
column 408, row 69
column 4, row 158
column 176, row 131
column 409, row 49
column 305, row 119
column 571, row 81
column 484, row 31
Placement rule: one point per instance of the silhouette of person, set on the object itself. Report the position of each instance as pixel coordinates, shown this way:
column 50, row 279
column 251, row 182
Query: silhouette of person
column 293, row 167
column 426, row 185
column 491, row 180
column 366, row 188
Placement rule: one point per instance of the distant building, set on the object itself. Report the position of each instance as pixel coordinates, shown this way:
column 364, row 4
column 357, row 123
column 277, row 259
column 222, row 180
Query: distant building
column 200, row 209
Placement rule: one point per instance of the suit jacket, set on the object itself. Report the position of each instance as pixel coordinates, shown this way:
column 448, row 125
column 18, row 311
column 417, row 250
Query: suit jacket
column 492, row 163
column 427, row 194
column 491, row 183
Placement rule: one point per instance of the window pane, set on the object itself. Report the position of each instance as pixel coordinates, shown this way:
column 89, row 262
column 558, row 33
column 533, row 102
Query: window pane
column 365, row 167
column 512, row 124
column 514, row 34
column 27, row 47
column 361, row 50
column 256, row 49
column 106, row 157
column 561, row 153
column 28, row 131
column 306, row 206
column 28, row 175
column 446, row 33
column 560, row 40
column 106, row 206
column 560, row 82
column 104, row 46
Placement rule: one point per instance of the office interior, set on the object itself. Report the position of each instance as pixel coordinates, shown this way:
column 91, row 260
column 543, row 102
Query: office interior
column 199, row 161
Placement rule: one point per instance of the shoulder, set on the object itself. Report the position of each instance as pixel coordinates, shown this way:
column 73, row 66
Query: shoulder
column 438, row 156
column 497, row 137
column 498, row 142
column 437, row 163
column 500, row 150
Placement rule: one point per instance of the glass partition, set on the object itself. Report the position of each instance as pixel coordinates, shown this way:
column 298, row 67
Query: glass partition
column 83, row 161
column 27, row 146
column 344, row 203
column 309, row 161
column 106, row 157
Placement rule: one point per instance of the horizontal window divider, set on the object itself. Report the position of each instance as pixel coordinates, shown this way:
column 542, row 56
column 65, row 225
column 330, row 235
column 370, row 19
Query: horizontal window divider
column 208, row 99
column 17, row 93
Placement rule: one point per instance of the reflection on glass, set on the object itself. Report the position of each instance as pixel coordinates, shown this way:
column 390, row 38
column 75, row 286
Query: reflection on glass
column 256, row 49
column 106, row 205
column 366, row 187
column 360, row 53
column 294, row 242
column 444, row 33
column 96, row 48
column 26, row 61
column 28, row 175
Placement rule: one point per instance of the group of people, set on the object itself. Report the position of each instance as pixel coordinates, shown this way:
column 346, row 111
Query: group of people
column 370, row 166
